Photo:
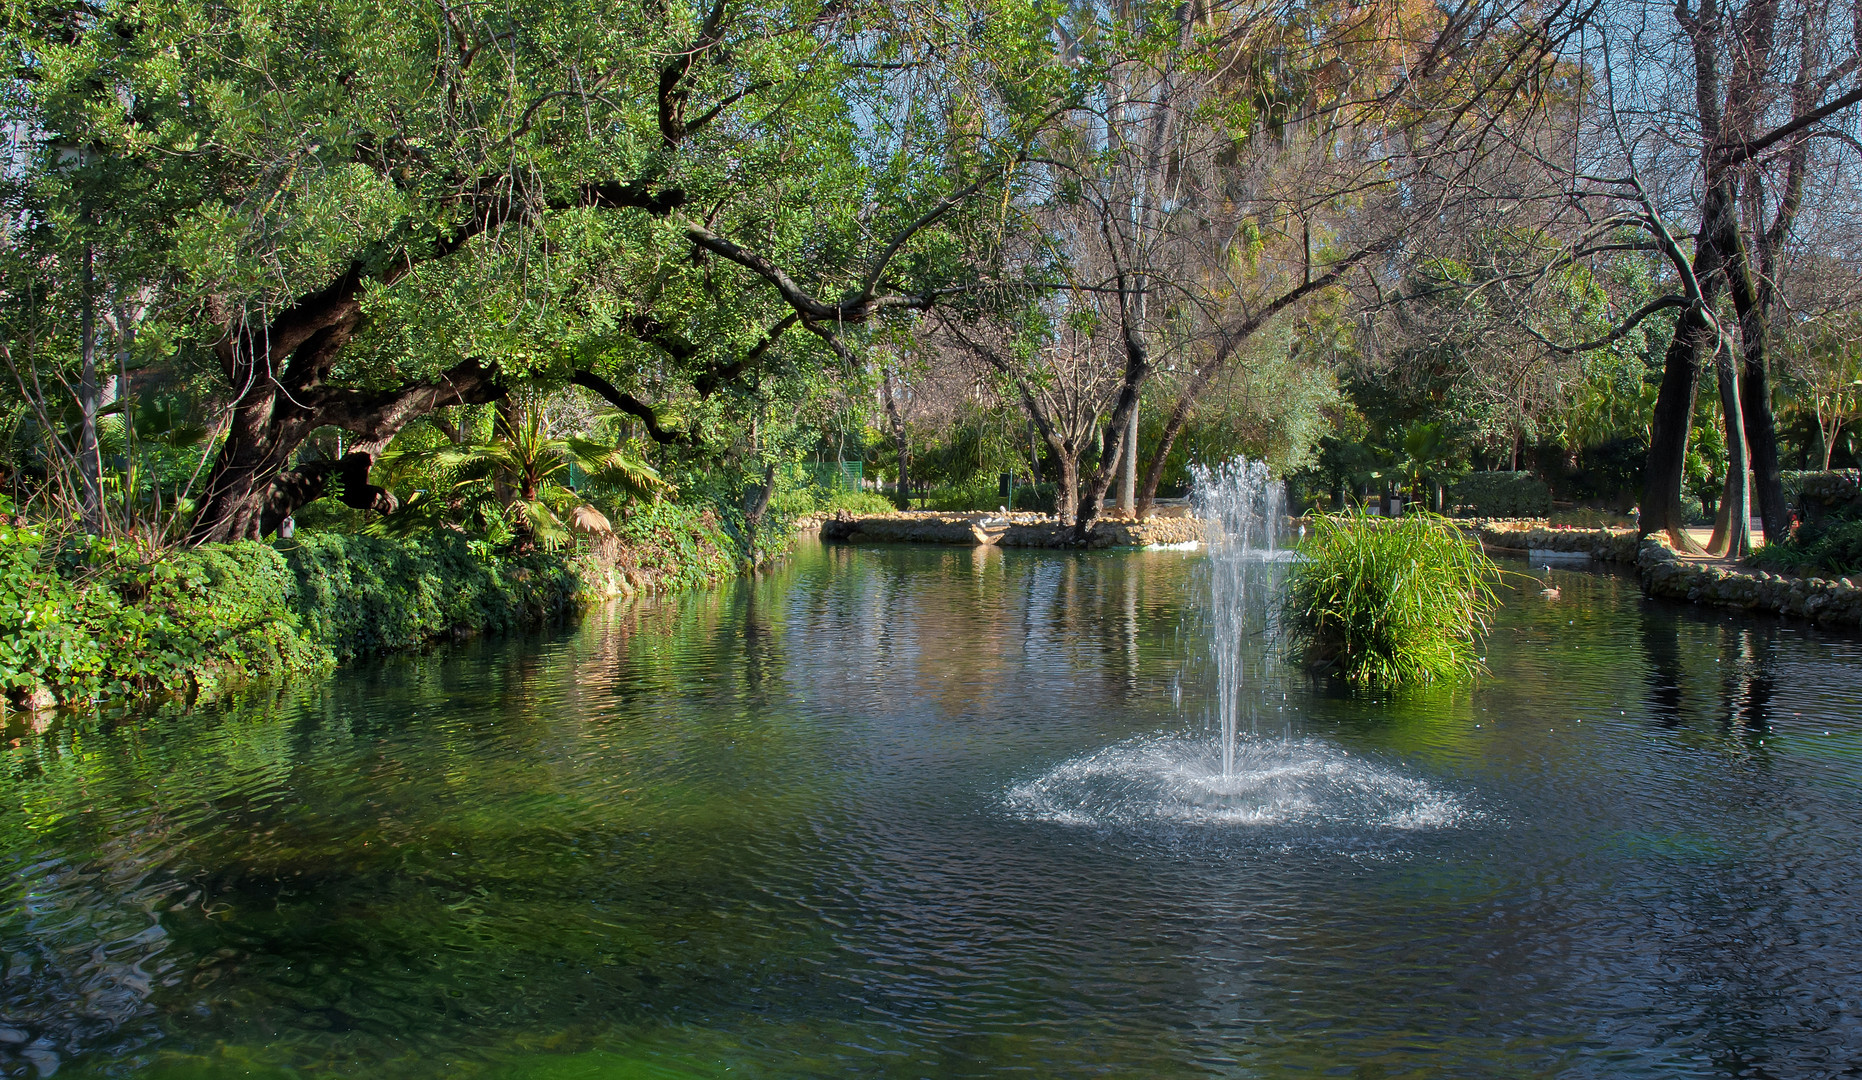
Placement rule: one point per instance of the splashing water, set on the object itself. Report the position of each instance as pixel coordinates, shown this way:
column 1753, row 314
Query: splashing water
column 1283, row 782
column 1240, row 505
column 1172, row 780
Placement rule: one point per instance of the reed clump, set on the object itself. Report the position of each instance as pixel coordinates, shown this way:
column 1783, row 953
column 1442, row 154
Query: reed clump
column 1389, row 600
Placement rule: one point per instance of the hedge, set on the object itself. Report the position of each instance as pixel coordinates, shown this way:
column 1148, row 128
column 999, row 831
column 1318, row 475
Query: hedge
column 1501, row 494
column 364, row 595
column 92, row 620
column 1816, row 493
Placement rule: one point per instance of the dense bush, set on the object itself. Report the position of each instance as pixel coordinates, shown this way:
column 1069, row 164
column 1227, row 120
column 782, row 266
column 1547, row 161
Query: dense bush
column 979, row 492
column 363, row 595
column 1829, row 542
column 1501, row 494
column 1036, row 497
column 92, row 620
column 1816, row 493
column 672, row 545
column 1389, row 600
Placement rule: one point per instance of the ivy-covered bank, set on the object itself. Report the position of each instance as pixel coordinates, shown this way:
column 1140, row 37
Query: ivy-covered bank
column 87, row 621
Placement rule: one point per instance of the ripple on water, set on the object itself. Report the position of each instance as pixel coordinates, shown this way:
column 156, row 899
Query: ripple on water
column 1177, row 780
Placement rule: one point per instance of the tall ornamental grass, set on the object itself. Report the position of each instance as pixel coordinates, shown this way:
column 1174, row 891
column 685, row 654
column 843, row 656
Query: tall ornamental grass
column 1389, row 600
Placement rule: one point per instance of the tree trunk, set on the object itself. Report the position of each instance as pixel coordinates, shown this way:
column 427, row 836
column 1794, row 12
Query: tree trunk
column 1668, row 435
column 1067, row 487
column 1154, row 471
column 252, row 485
column 1762, row 443
column 1732, row 537
column 90, row 463
column 1112, row 442
column 756, row 504
column 1752, row 301
column 901, row 438
column 1128, row 466
column 1674, row 403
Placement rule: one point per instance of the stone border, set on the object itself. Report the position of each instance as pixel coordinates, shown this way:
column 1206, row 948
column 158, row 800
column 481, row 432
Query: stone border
column 1824, row 602
column 1523, row 537
column 1022, row 530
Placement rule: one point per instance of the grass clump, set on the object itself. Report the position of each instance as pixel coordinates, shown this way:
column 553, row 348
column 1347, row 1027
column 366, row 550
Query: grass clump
column 1389, row 601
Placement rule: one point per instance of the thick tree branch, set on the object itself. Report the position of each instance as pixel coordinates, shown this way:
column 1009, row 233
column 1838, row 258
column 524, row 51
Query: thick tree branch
column 1660, row 303
column 633, row 406
column 1727, row 155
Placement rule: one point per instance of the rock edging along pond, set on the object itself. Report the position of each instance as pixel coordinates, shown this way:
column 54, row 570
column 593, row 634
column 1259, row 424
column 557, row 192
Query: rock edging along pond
column 109, row 626
column 1823, row 601
column 1004, row 530
column 1522, row 537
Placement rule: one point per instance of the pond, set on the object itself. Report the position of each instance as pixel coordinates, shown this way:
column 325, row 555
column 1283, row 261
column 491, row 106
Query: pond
column 920, row 812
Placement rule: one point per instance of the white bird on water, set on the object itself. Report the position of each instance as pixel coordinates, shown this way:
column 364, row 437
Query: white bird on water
column 1550, row 592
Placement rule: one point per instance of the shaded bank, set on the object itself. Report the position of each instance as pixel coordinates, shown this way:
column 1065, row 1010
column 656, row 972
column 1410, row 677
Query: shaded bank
column 93, row 623
column 1005, row 530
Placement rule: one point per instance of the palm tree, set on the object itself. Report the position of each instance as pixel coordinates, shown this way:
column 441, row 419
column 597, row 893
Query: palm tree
column 518, row 483
column 1429, row 460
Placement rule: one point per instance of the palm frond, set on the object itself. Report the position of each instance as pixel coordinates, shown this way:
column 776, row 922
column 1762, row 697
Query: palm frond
column 614, row 466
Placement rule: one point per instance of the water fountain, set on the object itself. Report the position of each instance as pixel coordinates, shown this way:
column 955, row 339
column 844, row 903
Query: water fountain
column 1237, row 778
column 1240, row 505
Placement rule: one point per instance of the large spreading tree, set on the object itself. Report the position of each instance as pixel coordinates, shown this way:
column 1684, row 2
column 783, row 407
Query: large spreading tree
column 357, row 213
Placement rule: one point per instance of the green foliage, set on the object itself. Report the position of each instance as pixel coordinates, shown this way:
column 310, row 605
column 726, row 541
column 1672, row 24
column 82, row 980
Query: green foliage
column 1830, row 539
column 979, row 492
column 1273, row 406
column 1837, row 491
column 1831, row 547
column 1502, row 494
column 1429, row 456
column 92, row 620
column 854, row 502
column 1035, row 497
column 363, row 595
column 517, row 484
column 41, row 637
column 677, row 545
column 1389, row 600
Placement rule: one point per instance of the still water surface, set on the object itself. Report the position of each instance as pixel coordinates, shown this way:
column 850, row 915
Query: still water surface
column 928, row 813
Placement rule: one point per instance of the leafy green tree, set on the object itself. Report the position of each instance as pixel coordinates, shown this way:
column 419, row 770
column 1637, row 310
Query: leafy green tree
column 355, row 214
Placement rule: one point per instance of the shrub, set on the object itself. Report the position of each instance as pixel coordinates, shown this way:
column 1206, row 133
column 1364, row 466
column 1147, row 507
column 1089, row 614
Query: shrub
column 362, row 595
column 1501, row 494
column 817, row 499
column 92, row 619
column 1389, row 600
column 1815, row 494
column 675, row 545
column 1036, row 497
column 42, row 640
column 1831, row 545
column 856, row 502
column 979, row 492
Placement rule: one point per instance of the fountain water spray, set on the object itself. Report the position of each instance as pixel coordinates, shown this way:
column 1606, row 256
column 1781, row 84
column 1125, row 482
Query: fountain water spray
column 1285, row 783
column 1242, row 509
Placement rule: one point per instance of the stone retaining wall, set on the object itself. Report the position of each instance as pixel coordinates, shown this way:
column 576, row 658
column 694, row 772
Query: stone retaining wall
column 1024, row 530
column 1520, row 537
column 1106, row 532
column 1830, row 603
